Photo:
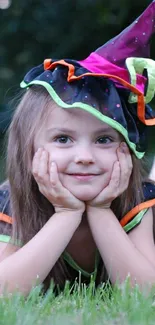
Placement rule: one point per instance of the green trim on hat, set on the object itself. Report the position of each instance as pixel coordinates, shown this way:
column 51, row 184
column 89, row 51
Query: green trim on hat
column 114, row 124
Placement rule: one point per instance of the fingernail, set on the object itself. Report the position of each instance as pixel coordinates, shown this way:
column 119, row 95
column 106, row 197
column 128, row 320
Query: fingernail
column 123, row 145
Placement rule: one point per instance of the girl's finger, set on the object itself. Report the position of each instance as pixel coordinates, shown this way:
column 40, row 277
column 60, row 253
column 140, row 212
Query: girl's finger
column 54, row 179
column 57, row 186
column 125, row 167
column 116, row 174
column 130, row 163
column 43, row 164
column 115, row 178
column 35, row 161
column 128, row 156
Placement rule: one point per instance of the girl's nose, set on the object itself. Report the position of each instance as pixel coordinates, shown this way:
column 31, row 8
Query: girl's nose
column 84, row 156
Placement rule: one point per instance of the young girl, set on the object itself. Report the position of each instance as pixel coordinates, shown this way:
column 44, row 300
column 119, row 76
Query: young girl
column 77, row 196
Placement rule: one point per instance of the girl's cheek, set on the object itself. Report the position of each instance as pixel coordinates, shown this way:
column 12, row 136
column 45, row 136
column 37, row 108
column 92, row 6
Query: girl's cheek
column 60, row 158
column 108, row 160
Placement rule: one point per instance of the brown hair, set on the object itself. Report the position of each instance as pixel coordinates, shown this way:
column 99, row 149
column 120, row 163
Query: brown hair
column 29, row 208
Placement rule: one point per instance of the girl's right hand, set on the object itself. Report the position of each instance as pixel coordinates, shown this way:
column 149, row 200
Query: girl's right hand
column 47, row 178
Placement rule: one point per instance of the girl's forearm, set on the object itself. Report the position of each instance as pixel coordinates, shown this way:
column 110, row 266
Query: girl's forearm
column 120, row 256
column 32, row 263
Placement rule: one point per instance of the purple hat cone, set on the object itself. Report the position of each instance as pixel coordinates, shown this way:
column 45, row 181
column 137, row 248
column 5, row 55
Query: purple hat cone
column 133, row 41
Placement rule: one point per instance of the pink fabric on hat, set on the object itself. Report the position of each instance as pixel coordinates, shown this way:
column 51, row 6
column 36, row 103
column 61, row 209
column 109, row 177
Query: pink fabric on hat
column 97, row 64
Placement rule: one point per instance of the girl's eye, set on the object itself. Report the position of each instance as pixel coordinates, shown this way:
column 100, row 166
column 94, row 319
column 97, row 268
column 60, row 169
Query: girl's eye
column 62, row 139
column 104, row 140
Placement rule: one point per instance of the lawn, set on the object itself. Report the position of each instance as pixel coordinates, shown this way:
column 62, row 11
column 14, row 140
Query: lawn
column 85, row 306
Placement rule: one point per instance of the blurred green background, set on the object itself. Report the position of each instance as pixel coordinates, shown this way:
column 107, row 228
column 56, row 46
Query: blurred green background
column 31, row 30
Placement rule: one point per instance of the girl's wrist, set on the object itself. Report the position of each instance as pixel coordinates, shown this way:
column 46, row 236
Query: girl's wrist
column 91, row 209
column 74, row 211
column 94, row 213
column 74, row 214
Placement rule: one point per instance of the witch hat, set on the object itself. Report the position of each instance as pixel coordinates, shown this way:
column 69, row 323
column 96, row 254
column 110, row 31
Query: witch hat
column 124, row 55
column 134, row 41
column 109, row 82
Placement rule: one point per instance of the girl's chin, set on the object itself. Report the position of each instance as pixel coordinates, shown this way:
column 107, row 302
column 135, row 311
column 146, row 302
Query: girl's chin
column 84, row 196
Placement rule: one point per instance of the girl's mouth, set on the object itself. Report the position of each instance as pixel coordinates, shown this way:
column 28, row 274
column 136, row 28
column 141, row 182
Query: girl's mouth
column 83, row 177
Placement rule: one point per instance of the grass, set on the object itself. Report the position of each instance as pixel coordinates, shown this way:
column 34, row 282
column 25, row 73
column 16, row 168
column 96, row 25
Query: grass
column 85, row 306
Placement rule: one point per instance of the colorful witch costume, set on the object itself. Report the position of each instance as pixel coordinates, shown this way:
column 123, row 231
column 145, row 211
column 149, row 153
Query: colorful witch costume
column 115, row 84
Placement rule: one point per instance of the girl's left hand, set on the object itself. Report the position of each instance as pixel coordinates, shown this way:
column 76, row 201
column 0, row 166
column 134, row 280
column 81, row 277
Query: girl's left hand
column 119, row 180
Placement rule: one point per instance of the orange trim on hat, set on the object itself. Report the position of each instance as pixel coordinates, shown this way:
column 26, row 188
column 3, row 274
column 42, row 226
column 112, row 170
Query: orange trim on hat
column 135, row 211
column 5, row 218
column 48, row 64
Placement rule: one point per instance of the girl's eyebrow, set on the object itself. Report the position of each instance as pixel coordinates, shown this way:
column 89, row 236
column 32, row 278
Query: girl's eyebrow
column 66, row 130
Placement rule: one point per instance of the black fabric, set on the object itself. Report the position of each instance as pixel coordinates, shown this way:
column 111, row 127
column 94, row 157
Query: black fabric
column 149, row 191
column 4, row 202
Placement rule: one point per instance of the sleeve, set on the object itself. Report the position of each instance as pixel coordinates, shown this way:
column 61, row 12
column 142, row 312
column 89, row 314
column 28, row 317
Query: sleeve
column 134, row 216
column 5, row 219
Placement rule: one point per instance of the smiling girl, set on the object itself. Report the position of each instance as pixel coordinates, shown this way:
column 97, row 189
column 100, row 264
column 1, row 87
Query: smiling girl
column 77, row 198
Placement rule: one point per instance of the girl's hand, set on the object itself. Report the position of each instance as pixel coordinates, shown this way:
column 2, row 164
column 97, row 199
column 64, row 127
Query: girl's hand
column 47, row 178
column 119, row 181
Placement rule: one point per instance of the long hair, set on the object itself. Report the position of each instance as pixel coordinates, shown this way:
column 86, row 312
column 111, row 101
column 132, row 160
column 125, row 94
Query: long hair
column 30, row 210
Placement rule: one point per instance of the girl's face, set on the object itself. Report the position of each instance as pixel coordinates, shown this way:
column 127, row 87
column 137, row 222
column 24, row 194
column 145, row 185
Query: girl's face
column 83, row 147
